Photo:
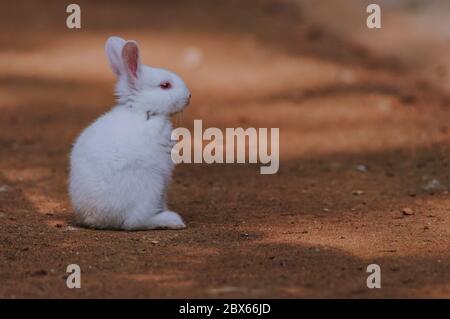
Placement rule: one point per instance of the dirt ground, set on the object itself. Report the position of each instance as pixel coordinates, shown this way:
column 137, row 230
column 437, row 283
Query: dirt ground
column 364, row 133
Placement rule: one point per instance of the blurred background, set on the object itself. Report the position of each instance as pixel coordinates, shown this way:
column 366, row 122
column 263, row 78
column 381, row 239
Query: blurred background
column 364, row 133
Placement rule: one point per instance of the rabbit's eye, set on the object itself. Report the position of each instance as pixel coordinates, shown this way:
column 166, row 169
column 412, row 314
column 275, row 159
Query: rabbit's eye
column 165, row 85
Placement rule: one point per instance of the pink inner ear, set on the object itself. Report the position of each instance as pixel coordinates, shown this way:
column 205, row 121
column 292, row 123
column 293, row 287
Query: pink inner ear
column 130, row 55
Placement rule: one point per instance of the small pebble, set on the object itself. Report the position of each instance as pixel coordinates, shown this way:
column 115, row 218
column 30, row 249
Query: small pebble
column 361, row 168
column 433, row 185
column 358, row 193
column 407, row 211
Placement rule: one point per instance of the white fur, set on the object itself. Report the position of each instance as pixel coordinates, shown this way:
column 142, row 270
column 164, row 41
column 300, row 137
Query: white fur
column 120, row 165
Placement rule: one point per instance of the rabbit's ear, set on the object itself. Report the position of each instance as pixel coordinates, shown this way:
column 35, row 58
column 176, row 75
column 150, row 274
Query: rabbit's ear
column 113, row 48
column 130, row 58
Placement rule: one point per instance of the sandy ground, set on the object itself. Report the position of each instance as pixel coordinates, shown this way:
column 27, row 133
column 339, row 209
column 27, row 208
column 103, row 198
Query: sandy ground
column 364, row 127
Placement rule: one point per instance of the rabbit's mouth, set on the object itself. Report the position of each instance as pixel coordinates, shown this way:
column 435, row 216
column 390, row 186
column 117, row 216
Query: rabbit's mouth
column 179, row 109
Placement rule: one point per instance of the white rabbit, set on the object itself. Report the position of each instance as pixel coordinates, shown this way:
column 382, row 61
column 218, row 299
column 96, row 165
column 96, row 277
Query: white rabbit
column 120, row 165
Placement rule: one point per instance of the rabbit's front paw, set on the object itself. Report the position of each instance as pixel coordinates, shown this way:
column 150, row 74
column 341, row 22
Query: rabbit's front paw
column 167, row 220
column 164, row 220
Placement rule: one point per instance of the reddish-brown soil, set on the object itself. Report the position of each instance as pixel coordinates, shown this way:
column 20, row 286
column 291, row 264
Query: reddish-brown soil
column 342, row 96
